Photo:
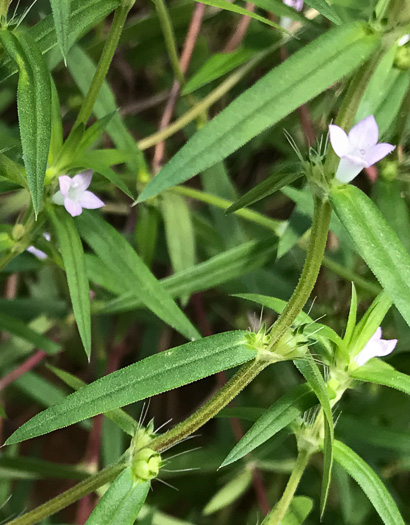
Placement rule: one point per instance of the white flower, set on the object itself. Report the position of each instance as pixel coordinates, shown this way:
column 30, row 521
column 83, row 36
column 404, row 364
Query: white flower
column 74, row 196
column 358, row 149
column 375, row 347
column 38, row 253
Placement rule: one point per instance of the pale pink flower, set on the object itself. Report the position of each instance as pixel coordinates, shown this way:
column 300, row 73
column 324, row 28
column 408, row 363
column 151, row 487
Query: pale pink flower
column 296, row 4
column 358, row 149
column 74, row 196
column 375, row 347
column 38, row 253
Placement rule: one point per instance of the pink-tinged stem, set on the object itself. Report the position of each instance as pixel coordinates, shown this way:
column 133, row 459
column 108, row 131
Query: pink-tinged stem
column 189, row 44
column 240, row 31
column 28, row 365
column 371, row 173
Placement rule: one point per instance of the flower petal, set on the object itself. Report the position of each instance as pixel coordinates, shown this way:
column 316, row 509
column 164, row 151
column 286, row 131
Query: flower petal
column 73, row 208
column 90, row 201
column 365, row 134
column 58, row 198
column 296, row 4
column 339, row 140
column 386, row 347
column 378, row 152
column 36, row 252
column 81, row 181
column 65, row 184
column 347, row 171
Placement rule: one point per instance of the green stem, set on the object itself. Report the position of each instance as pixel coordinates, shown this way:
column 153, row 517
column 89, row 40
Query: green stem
column 219, row 202
column 104, row 63
column 229, row 391
column 276, row 516
column 351, row 103
column 165, row 21
column 314, row 256
column 70, row 496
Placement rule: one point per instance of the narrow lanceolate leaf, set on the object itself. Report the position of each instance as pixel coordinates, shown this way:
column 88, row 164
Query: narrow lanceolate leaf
column 264, row 189
column 118, row 416
column 84, row 14
column 34, row 107
column 302, row 77
column 224, row 4
column 131, row 272
column 149, row 377
column 61, row 15
column 369, row 482
column 74, row 264
column 179, row 231
column 376, row 242
column 122, row 501
column 216, row 271
column 21, row 329
column 324, row 9
column 228, row 494
column 311, row 373
column 381, row 373
column 298, row 511
column 278, row 416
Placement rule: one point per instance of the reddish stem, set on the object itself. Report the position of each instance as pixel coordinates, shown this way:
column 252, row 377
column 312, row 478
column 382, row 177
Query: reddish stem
column 28, row 365
column 189, row 44
column 240, row 31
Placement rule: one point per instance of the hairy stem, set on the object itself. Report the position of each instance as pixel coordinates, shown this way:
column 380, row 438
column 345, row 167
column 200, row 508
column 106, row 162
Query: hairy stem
column 222, row 398
column 278, row 513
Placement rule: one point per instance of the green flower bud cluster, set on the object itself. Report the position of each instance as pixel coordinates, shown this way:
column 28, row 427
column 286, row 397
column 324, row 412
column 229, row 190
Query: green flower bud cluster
column 291, row 345
column 145, row 461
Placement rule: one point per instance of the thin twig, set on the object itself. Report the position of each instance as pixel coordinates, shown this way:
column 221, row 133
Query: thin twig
column 189, row 44
column 28, row 365
column 240, row 31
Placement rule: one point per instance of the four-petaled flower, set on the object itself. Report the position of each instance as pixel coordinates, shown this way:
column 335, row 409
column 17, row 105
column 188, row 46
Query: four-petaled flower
column 358, row 149
column 296, row 4
column 74, row 196
column 375, row 347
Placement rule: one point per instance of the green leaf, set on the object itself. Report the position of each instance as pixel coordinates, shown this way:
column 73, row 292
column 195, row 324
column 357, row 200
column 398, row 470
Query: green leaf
column 381, row 373
column 93, row 132
column 149, row 377
column 299, row 510
column 33, row 468
column 21, row 329
column 74, row 264
column 179, row 232
column 84, row 14
column 325, row 9
column 12, row 171
column 61, row 15
column 128, row 268
column 306, row 74
column 229, row 493
column 122, row 501
column 267, row 187
column 2, row 412
column 217, row 66
column 275, row 418
column 83, row 69
column 389, row 198
column 56, row 141
column 351, row 320
column 376, row 242
column 220, row 269
column 369, row 482
column 123, row 420
column 34, row 108
column 223, row 4
column 311, row 373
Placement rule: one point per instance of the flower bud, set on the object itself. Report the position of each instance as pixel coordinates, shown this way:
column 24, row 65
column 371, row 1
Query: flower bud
column 146, row 464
